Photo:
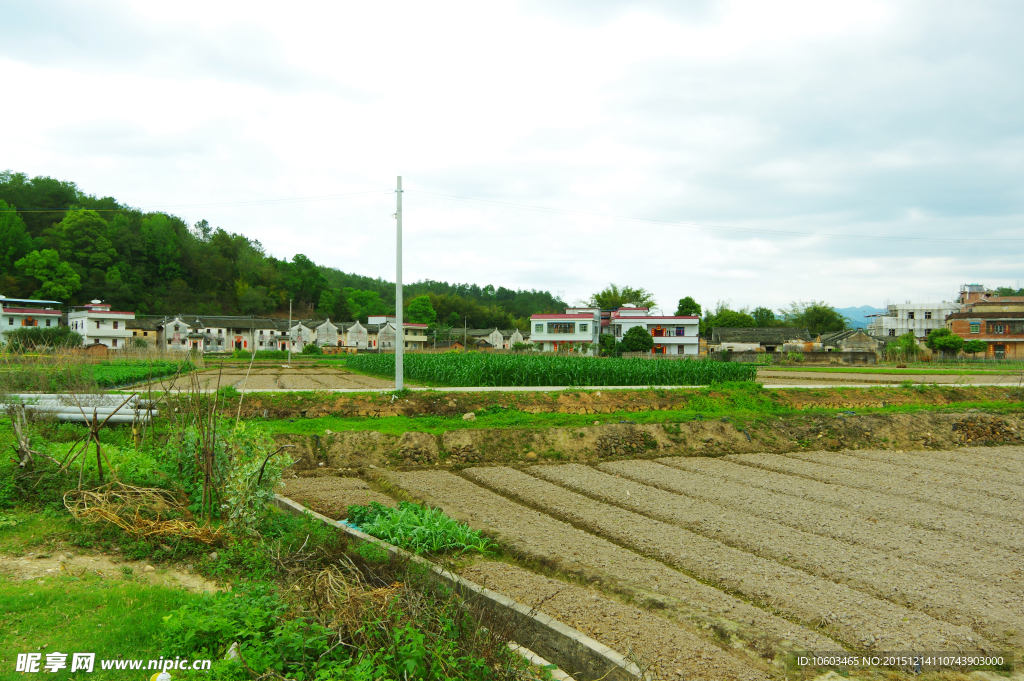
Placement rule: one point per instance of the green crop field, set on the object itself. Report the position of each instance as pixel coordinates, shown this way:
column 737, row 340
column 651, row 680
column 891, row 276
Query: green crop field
column 487, row 370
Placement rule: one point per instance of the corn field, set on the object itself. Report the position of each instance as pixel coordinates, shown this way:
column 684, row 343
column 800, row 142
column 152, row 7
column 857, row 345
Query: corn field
column 491, row 370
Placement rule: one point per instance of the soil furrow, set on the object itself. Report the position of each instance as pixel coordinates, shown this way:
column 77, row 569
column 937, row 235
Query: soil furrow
column 927, row 547
column 540, row 537
column 878, row 481
column 986, row 465
column 952, row 477
column 904, row 511
column 862, row 622
column 664, row 649
column 988, row 610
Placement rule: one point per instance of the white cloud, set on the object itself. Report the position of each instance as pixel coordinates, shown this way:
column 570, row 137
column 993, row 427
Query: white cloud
column 861, row 118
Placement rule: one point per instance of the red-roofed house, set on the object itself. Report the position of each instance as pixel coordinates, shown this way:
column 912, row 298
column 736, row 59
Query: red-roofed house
column 97, row 323
column 19, row 312
column 577, row 328
column 673, row 335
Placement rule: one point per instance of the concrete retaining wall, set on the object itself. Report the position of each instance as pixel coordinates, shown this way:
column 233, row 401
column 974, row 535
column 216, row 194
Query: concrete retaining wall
column 575, row 653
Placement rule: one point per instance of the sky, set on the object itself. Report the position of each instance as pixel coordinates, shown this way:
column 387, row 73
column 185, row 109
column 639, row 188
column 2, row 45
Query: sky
column 857, row 153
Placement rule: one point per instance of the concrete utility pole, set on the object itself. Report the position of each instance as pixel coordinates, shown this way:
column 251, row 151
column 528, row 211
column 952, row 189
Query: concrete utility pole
column 399, row 331
column 289, row 330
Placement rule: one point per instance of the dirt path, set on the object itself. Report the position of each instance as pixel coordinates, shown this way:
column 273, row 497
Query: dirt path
column 876, row 480
column 924, row 546
column 665, row 649
column 856, row 618
column 43, row 565
column 945, row 595
column 993, row 531
column 540, row 537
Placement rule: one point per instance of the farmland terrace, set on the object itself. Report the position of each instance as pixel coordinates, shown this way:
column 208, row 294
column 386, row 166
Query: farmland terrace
column 718, row 568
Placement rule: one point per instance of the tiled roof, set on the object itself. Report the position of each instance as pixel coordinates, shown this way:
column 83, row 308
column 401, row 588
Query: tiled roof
column 562, row 316
column 770, row 335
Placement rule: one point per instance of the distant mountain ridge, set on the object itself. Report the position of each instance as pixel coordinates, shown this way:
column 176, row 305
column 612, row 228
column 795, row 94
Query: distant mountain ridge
column 858, row 315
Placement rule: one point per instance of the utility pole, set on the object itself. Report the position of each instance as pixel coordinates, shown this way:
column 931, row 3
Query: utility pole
column 465, row 331
column 289, row 330
column 399, row 331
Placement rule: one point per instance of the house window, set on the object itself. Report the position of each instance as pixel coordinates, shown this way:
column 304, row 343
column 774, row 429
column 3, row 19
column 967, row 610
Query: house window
column 168, row 341
column 975, row 327
column 561, row 327
column 892, row 332
column 113, row 343
column 910, row 315
column 996, row 328
column 145, row 333
column 927, row 315
column 207, row 331
column 115, row 324
column 583, row 328
column 48, row 322
column 10, row 322
column 537, row 328
column 97, row 325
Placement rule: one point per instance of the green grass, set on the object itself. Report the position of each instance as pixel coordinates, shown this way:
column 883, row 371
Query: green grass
column 67, row 613
column 418, row 528
column 916, row 370
column 491, row 370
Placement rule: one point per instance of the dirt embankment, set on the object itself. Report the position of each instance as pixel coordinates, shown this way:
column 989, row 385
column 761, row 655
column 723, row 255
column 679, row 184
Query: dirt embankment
column 332, row 453
column 429, row 403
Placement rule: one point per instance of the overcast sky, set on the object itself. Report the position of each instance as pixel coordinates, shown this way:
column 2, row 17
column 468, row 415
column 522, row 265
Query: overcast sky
column 744, row 141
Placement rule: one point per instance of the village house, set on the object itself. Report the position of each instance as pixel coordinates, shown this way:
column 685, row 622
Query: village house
column 570, row 332
column 20, row 312
column 997, row 321
column 755, row 339
column 144, row 330
column 97, row 323
column 354, row 335
column 673, row 334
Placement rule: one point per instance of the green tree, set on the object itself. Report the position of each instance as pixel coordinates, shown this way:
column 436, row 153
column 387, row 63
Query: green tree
column 303, row 279
column 420, row 311
column 342, row 309
column 904, row 348
column 613, row 297
column 816, row 317
column 975, row 346
column 366, row 303
column 607, row 344
column 637, row 339
column 723, row 317
column 688, row 307
column 43, row 199
column 944, row 341
column 15, row 242
column 56, row 280
column 328, row 299
column 764, row 317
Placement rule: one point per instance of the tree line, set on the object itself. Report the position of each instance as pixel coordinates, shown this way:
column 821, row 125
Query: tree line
column 58, row 242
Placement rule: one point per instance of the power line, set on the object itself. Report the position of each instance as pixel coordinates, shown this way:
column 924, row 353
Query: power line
column 699, row 225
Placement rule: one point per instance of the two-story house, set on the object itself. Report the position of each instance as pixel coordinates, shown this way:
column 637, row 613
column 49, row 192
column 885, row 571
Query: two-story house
column 570, row 332
column 673, row 334
column 97, row 323
column 19, row 312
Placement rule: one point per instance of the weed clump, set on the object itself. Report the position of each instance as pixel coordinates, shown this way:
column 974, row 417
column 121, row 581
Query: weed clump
column 418, row 528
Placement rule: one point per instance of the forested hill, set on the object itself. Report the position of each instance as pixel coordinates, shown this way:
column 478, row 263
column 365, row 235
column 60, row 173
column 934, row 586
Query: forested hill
column 58, row 242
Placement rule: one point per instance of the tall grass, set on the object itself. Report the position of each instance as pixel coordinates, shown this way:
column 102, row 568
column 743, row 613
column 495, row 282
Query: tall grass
column 487, row 370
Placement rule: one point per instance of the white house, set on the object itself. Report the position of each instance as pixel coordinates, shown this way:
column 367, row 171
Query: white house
column 300, row 335
column 564, row 332
column 97, row 323
column 19, row 312
column 327, row 334
column 356, row 336
column 673, row 335
column 921, row 318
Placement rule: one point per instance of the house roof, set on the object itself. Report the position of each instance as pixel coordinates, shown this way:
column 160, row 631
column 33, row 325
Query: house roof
column 774, row 335
column 562, row 316
column 659, row 317
column 986, row 315
column 449, row 343
column 141, row 324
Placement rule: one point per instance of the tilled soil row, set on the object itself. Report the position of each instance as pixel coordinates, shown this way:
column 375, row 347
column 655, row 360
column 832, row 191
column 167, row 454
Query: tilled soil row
column 878, row 481
column 987, row 609
column 980, row 462
column 539, row 537
column 859, row 620
column 949, row 474
column 996, row 532
column 663, row 649
column 927, row 547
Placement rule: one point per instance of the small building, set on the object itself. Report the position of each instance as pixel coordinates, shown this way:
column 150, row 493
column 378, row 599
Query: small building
column 97, row 323
column 143, row 330
column 756, row 339
column 300, row 335
column 919, row 318
column 327, row 334
column 23, row 312
column 450, row 345
column 355, row 335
